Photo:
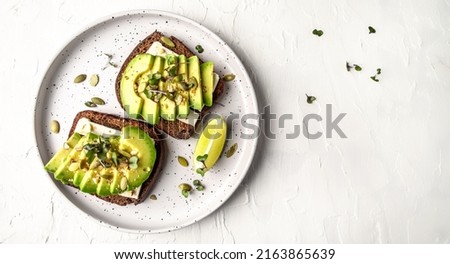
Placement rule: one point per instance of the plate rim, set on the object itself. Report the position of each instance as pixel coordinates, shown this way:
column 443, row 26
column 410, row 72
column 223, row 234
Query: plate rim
column 105, row 19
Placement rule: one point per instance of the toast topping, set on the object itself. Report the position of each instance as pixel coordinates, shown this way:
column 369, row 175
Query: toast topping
column 100, row 162
column 162, row 84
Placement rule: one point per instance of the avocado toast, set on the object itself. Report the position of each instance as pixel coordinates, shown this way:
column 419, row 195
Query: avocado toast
column 172, row 89
column 113, row 158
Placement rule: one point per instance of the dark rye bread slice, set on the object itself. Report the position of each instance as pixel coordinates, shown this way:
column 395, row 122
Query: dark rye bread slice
column 176, row 129
column 117, row 123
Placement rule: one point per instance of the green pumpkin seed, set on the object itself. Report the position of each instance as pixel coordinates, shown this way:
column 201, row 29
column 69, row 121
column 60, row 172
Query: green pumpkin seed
column 93, row 81
column 196, row 182
column 97, row 101
column 185, row 193
column 80, row 78
column 153, row 197
column 232, row 150
column 185, row 187
column 200, row 188
column 54, row 126
column 229, row 77
column 167, row 42
column 183, row 162
column 90, row 104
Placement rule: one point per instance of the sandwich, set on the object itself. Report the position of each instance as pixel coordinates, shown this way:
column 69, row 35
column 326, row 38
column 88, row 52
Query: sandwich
column 164, row 83
column 114, row 158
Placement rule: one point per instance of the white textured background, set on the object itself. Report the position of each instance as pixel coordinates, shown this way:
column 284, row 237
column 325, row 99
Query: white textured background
column 388, row 182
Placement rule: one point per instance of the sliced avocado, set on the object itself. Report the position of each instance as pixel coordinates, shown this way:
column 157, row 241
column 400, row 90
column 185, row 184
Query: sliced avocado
column 115, row 183
column 135, row 139
column 88, row 184
column 104, row 187
column 195, row 94
column 182, row 67
column 78, row 177
column 207, row 83
column 63, row 173
column 182, row 101
column 150, row 110
column 60, row 156
column 73, row 140
column 131, row 101
column 144, row 77
column 104, row 184
column 158, row 65
column 168, row 108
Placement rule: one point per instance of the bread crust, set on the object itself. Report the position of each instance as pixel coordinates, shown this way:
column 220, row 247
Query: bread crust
column 117, row 123
column 176, row 129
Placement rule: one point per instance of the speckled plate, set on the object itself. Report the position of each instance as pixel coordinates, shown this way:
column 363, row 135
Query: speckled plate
column 59, row 98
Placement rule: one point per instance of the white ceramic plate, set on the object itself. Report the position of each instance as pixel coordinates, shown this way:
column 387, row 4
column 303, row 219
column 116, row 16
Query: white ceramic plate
column 59, row 98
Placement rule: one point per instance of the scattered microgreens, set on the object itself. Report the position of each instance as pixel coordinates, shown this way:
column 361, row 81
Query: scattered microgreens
column 349, row 67
column 375, row 77
column 372, row 30
column 185, row 189
column 170, row 60
column 109, row 63
column 202, row 158
column 355, row 66
column 199, row 48
column 173, row 71
column 317, row 32
column 133, row 162
column 198, row 185
column 201, row 171
column 154, row 78
column 310, row 99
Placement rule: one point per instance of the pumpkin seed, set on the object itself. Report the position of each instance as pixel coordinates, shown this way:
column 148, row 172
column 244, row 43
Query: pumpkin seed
column 185, row 187
column 93, row 81
column 229, row 77
column 124, row 153
column 196, row 182
column 123, row 183
column 74, row 166
column 185, row 193
column 80, row 78
column 153, row 197
column 183, row 162
column 200, row 188
column 232, row 150
column 90, row 104
column 54, row 126
column 167, row 42
column 97, row 101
